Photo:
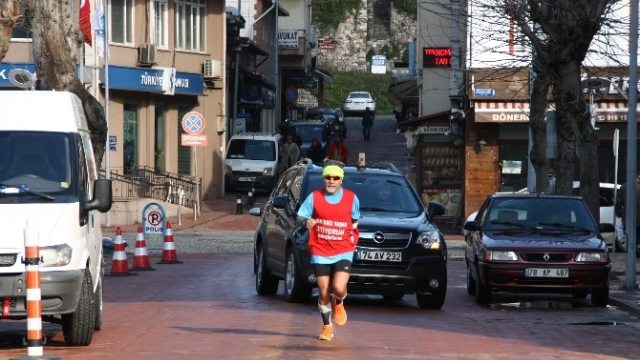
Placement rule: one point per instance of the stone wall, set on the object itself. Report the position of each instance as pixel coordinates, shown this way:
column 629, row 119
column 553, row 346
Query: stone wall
column 375, row 24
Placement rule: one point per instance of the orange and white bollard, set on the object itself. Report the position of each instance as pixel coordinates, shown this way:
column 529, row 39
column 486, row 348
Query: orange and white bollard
column 169, row 255
column 34, row 298
column 141, row 259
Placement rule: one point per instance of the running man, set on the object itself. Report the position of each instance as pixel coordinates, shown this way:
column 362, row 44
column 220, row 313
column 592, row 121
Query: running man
column 331, row 215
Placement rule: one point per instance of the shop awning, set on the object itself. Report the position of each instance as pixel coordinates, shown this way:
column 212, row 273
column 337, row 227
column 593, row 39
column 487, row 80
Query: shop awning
column 501, row 111
column 518, row 111
column 323, row 74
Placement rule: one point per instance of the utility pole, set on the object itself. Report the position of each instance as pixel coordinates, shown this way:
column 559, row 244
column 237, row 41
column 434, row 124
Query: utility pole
column 630, row 195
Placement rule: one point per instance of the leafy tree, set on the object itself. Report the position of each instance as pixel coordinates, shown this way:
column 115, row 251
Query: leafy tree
column 56, row 43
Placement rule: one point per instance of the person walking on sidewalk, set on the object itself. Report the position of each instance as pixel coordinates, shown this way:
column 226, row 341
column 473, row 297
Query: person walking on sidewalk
column 338, row 150
column 367, row 124
column 331, row 215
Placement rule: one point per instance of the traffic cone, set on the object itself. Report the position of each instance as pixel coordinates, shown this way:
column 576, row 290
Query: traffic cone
column 141, row 260
column 169, row 255
column 119, row 263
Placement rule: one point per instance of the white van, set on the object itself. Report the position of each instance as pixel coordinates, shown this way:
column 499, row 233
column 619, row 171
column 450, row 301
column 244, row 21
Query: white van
column 48, row 183
column 252, row 161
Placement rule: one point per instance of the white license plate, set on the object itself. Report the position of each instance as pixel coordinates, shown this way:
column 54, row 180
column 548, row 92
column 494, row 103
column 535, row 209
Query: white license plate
column 246, row 178
column 379, row 255
column 546, row 273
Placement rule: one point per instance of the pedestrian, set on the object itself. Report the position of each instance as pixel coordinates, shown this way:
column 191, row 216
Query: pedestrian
column 620, row 205
column 338, row 150
column 331, row 215
column 316, row 152
column 290, row 153
column 296, row 137
column 367, row 123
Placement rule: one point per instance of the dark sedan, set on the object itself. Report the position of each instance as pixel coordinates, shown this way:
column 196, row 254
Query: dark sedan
column 536, row 243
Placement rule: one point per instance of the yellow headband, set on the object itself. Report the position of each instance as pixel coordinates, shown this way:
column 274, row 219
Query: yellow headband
column 333, row 170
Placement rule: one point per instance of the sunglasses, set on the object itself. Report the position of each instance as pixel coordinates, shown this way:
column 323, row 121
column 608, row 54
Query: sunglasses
column 334, row 178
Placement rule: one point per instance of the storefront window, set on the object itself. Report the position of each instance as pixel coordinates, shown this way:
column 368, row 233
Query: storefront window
column 441, row 171
column 184, row 152
column 130, row 148
column 160, row 140
column 513, row 166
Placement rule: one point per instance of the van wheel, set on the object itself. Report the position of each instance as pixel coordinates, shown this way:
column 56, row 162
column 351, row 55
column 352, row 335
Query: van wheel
column 295, row 288
column 78, row 326
column 266, row 284
column 97, row 302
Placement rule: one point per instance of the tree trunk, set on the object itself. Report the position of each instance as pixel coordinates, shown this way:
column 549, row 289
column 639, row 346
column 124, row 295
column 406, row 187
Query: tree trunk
column 573, row 109
column 9, row 14
column 56, row 43
column 538, row 127
column 564, row 98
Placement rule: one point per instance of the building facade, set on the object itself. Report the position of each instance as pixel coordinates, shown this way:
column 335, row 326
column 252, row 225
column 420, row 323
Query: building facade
column 165, row 60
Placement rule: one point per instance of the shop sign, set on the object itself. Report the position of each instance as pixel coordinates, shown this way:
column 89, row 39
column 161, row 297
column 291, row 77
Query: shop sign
column 6, row 68
column 156, row 80
column 288, row 39
column 328, row 43
column 113, row 142
column 433, row 130
column 484, row 92
column 378, row 64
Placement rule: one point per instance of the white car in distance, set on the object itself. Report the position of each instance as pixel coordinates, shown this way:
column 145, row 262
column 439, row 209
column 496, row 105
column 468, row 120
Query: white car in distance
column 357, row 102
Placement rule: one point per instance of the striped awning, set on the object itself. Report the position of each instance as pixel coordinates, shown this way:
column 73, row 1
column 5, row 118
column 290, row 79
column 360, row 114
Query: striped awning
column 518, row 111
column 501, row 111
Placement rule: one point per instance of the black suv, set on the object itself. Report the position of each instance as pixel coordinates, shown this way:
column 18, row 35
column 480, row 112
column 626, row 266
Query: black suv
column 399, row 251
column 332, row 117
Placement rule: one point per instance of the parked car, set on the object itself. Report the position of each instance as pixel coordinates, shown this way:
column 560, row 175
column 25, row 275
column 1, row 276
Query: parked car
column 309, row 130
column 606, row 212
column 357, row 102
column 399, row 251
column 331, row 117
column 536, row 243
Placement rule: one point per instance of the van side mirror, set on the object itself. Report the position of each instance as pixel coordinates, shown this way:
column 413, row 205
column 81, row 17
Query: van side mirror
column 102, row 196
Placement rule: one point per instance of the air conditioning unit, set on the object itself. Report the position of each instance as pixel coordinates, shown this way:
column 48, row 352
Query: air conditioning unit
column 147, row 54
column 212, row 69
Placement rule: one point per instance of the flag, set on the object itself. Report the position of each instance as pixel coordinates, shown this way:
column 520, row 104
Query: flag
column 85, row 20
column 100, row 30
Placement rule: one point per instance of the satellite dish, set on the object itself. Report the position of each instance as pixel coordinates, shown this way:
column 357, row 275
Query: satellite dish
column 22, row 78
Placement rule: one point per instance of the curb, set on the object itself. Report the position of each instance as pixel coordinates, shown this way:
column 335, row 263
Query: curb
column 625, row 306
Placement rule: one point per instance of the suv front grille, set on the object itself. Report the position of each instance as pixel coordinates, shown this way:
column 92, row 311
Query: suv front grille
column 384, row 240
column 7, row 260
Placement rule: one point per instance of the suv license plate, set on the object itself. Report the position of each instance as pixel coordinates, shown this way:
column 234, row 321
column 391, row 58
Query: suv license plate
column 547, row 273
column 247, row 178
column 379, row 255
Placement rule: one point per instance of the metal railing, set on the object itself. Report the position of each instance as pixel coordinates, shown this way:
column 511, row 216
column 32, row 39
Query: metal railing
column 145, row 182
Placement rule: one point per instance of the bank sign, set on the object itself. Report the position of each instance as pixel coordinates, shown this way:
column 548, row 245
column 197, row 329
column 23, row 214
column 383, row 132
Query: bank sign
column 166, row 81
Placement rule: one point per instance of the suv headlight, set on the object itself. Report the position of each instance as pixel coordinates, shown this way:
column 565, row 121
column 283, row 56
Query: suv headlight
column 500, row 255
column 228, row 169
column 591, row 256
column 57, row 255
column 429, row 240
column 267, row 171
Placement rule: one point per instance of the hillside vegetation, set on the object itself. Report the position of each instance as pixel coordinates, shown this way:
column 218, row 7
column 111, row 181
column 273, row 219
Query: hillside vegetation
column 344, row 82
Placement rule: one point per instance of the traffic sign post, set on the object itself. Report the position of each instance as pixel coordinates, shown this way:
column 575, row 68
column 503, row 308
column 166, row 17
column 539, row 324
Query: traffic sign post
column 154, row 218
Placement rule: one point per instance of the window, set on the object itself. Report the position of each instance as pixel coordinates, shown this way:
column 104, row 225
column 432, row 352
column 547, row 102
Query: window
column 184, row 152
column 121, row 21
column 22, row 29
column 190, row 19
column 130, row 148
column 159, row 146
column 160, row 23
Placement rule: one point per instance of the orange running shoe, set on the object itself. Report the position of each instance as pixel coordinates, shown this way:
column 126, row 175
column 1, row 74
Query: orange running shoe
column 327, row 333
column 339, row 313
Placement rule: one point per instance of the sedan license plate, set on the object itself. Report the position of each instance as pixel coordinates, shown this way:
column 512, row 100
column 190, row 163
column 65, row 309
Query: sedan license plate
column 247, row 178
column 546, row 273
column 379, row 255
